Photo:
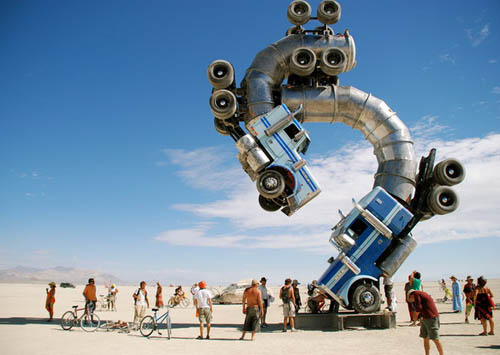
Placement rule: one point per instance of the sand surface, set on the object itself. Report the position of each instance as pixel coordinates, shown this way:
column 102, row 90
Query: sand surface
column 24, row 330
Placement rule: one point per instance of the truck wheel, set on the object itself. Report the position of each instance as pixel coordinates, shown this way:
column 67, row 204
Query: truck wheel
column 270, row 184
column 302, row 61
column 220, row 127
column 449, row 172
column 299, row 12
column 220, row 74
column 268, row 205
column 223, row 104
column 329, row 12
column 333, row 61
column 442, row 200
column 366, row 298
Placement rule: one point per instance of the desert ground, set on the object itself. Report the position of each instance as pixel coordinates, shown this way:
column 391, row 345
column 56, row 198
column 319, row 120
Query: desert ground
column 24, row 329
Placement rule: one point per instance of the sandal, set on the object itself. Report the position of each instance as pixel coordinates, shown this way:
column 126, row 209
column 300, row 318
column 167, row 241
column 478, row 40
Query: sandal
column 491, row 333
column 483, row 334
column 199, row 337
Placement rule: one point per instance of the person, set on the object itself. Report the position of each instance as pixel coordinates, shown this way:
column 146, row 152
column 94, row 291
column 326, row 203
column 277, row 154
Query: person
column 266, row 297
column 253, row 309
column 457, row 296
column 416, row 284
column 179, row 295
column 429, row 324
column 446, row 290
column 159, row 295
column 193, row 291
column 411, row 306
column 112, row 297
column 288, row 298
column 415, row 281
column 296, row 294
column 483, row 299
column 388, row 285
column 203, row 303
column 50, row 300
column 469, row 290
column 316, row 298
column 90, row 295
column 141, row 302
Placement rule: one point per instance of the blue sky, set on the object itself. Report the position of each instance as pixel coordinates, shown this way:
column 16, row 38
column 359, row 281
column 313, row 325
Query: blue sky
column 109, row 159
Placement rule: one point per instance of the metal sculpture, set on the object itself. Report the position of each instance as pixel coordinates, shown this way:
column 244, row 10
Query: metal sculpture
column 272, row 142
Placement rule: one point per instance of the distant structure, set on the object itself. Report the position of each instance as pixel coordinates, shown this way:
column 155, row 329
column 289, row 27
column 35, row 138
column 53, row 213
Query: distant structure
column 374, row 239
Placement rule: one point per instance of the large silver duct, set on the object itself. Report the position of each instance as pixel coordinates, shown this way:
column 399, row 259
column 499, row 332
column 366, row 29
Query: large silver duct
column 380, row 125
column 271, row 66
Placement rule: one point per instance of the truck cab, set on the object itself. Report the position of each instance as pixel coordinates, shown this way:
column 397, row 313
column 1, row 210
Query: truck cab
column 272, row 155
column 371, row 242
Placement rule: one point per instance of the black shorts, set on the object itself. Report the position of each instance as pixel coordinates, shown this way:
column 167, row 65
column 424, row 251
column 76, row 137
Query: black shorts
column 388, row 291
column 265, row 303
column 251, row 319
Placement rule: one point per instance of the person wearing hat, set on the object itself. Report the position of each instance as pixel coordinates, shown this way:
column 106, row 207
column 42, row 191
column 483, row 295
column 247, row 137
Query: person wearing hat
column 457, row 296
column 266, row 299
column 429, row 324
column 296, row 293
column 469, row 289
column 203, row 303
column 50, row 300
column 252, row 309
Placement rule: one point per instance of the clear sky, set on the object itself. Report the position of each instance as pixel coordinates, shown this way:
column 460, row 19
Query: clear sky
column 109, row 159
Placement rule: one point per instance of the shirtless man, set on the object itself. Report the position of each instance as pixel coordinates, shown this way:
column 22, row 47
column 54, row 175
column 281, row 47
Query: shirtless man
column 253, row 308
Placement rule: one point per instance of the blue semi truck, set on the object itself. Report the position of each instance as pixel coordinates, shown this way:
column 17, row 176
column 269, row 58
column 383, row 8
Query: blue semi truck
column 371, row 244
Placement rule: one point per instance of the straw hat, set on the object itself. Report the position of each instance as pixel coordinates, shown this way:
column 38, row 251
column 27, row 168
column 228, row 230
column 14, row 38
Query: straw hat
column 52, row 284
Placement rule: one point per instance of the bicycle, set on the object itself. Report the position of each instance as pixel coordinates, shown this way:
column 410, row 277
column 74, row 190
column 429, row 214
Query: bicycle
column 89, row 321
column 102, row 303
column 151, row 323
column 174, row 301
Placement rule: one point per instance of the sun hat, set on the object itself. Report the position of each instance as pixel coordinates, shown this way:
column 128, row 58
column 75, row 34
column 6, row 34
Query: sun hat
column 52, row 284
column 255, row 282
column 295, row 282
column 453, row 277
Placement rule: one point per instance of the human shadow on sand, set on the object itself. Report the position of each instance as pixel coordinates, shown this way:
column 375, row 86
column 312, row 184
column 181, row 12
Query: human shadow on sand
column 493, row 347
column 28, row 320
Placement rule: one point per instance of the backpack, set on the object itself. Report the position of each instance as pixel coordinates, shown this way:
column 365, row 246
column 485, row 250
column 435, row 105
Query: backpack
column 137, row 295
column 285, row 294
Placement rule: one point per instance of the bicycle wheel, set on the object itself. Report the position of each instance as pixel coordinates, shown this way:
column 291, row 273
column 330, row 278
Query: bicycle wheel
column 90, row 323
column 147, row 326
column 169, row 327
column 171, row 302
column 100, row 306
column 68, row 320
column 185, row 303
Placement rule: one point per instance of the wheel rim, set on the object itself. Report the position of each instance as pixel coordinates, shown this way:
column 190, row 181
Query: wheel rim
column 366, row 298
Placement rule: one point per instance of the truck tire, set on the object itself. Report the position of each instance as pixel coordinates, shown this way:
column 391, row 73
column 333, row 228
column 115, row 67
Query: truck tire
column 299, row 12
column 442, row 200
column 270, row 184
column 366, row 298
column 449, row 172
column 223, row 104
column 220, row 74
column 333, row 61
column 329, row 12
column 302, row 61
column 268, row 205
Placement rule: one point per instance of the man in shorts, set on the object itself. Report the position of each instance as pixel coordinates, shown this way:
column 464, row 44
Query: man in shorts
column 266, row 298
column 429, row 324
column 203, row 303
column 252, row 308
column 289, row 305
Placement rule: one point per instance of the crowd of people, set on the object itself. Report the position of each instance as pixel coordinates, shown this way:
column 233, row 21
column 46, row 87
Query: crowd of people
column 257, row 298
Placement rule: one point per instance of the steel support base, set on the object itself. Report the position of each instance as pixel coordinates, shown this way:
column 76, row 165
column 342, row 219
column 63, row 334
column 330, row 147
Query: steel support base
column 344, row 320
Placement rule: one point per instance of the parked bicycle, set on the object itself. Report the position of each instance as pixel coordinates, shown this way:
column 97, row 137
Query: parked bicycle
column 151, row 323
column 102, row 303
column 89, row 321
